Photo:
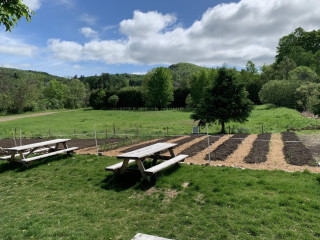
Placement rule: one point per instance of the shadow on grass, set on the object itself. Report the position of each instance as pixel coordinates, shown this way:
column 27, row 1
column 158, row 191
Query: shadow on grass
column 19, row 167
column 118, row 182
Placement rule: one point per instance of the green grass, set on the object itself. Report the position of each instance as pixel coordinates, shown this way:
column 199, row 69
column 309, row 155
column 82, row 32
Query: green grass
column 147, row 122
column 74, row 198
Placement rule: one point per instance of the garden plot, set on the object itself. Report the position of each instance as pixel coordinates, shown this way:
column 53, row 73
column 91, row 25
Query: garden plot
column 260, row 149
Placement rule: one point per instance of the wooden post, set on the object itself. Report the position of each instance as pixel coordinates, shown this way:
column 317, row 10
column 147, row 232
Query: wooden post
column 95, row 137
column 114, row 129
column 137, row 132
column 14, row 138
column 106, row 133
column 208, row 145
column 49, row 134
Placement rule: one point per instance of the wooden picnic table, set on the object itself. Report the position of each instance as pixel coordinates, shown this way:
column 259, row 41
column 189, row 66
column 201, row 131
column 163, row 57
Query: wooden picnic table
column 45, row 149
column 154, row 152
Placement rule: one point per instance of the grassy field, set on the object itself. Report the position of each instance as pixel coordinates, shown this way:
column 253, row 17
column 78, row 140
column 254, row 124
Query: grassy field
column 147, row 122
column 74, row 198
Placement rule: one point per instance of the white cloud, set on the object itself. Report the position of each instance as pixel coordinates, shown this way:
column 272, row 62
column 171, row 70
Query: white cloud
column 227, row 33
column 88, row 32
column 15, row 46
column 18, row 66
column 88, row 19
column 32, row 4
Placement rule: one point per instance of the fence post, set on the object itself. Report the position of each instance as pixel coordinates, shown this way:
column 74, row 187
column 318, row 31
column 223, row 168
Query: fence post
column 114, row 129
column 137, row 132
column 95, row 137
column 49, row 133
column 106, row 133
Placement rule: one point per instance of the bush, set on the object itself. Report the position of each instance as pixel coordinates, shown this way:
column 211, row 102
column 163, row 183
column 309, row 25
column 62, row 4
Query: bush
column 280, row 93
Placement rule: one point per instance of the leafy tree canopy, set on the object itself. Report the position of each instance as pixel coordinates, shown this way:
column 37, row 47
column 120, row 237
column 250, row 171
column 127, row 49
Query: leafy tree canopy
column 11, row 11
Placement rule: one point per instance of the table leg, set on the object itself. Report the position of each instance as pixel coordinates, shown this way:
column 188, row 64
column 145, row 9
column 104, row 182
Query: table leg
column 13, row 154
column 171, row 152
column 142, row 169
column 124, row 166
column 21, row 155
column 57, row 146
column 65, row 145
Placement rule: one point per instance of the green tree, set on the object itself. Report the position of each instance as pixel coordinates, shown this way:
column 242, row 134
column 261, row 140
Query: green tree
column 113, row 101
column 76, row 94
column 284, row 67
column 159, row 88
column 198, row 82
column 11, row 11
column 55, row 93
column 280, row 93
column 304, row 74
column 306, row 96
column 223, row 101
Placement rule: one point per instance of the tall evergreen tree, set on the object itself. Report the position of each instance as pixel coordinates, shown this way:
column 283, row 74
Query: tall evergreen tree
column 223, row 101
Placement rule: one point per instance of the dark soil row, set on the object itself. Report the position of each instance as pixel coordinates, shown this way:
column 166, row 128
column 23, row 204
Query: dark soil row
column 200, row 146
column 227, row 148
column 147, row 144
column 259, row 150
column 188, row 139
column 295, row 152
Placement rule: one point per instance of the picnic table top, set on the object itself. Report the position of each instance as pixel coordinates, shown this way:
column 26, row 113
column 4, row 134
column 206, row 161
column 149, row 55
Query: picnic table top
column 34, row 145
column 147, row 151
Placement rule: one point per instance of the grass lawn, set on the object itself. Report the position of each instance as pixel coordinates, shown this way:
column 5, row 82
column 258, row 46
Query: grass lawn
column 147, row 122
column 74, row 198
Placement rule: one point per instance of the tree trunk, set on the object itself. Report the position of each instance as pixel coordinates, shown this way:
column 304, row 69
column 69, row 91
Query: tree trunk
column 223, row 129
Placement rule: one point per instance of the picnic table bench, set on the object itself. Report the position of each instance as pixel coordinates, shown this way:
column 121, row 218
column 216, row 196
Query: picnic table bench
column 154, row 152
column 45, row 149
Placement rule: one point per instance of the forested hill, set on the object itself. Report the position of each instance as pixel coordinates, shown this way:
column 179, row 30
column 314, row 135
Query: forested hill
column 10, row 75
column 181, row 72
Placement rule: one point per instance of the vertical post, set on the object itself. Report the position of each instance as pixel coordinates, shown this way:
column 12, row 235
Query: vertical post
column 106, row 133
column 20, row 138
column 95, row 137
column 208, row 145
column 14, row 138
column 114, row 129
column 137, row 132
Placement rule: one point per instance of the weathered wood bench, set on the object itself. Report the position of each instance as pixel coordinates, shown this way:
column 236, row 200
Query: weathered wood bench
column 25, row 153
column 68, row 150
column 165, row 164
column 117, row 166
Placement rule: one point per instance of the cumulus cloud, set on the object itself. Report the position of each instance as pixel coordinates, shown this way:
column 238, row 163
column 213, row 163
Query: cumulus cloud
column 89, row 33
column 15, row 46
column 230, row 33
column 32, row 4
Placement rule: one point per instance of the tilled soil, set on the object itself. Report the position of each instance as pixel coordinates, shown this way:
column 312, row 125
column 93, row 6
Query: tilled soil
column 200, row 146
column 295, row 152
column 260, row 149
column 227, row 148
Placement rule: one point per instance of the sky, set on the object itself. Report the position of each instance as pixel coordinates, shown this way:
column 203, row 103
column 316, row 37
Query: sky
column 74, row 37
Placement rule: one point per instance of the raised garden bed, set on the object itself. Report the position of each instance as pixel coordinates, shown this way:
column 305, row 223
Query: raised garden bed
column 259, row 150
column 295, row 152
column 200, row 146
column 224, row 150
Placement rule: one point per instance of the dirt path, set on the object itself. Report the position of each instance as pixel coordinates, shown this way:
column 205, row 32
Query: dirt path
column 6, row 119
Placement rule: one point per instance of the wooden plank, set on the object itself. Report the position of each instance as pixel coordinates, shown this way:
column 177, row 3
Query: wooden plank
column 161, row 166
column 146, row 151
column 34, row 145
column 48, row 155
column 141, row 236
column 25, row 153
column 117, row 166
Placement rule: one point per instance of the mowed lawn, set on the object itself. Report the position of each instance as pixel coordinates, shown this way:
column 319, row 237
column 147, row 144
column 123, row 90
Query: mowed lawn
column 158, row 123
column 74, row 198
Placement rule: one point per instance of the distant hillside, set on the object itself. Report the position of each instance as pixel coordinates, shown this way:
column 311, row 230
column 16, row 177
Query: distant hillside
column 10, row 74
column 181, row 73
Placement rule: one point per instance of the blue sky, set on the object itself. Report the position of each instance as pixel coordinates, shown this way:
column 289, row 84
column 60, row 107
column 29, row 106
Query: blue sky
column 69, row 37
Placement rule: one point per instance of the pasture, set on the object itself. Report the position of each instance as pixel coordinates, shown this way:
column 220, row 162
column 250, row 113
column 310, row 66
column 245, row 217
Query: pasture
column 147, row 123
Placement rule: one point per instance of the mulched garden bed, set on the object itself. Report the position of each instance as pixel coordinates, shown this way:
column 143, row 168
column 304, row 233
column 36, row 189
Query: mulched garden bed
column 227, row 148
column 147, row 144
column 200, row 146
column 259, row 150
column 188, row 139
column 295, row 152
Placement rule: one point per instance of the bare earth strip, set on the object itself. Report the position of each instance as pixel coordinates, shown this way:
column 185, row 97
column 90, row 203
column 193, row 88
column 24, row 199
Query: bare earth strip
column 200, row 157
column 6, row 119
